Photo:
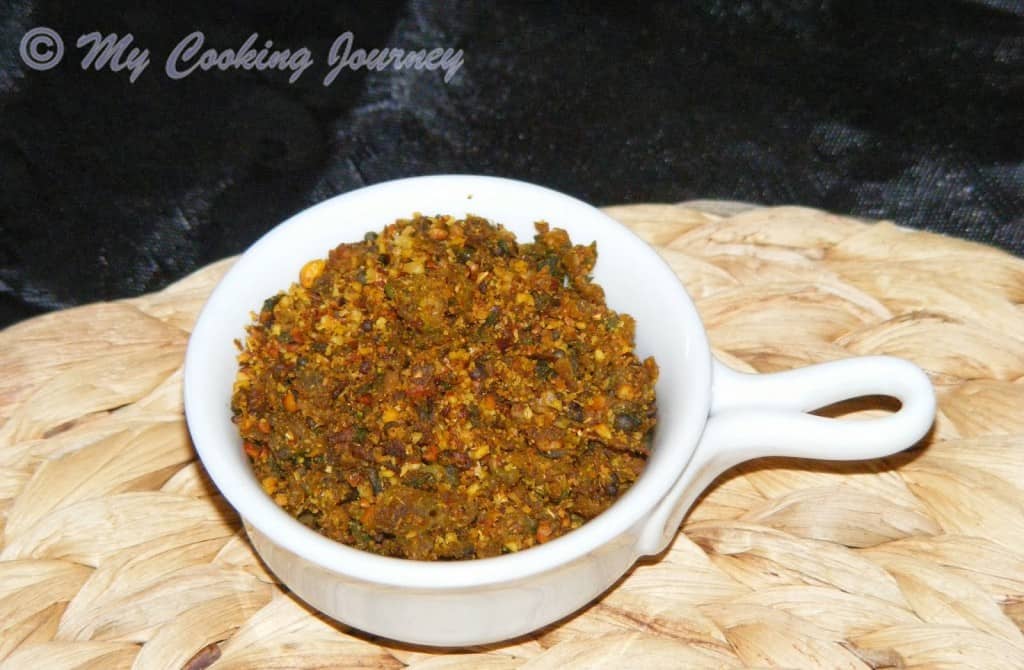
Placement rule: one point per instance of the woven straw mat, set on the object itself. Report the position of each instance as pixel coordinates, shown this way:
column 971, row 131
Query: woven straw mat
column 117, row 550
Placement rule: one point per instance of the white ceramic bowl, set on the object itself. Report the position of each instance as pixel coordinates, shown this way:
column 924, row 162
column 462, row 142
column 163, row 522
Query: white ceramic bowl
column 709, row 418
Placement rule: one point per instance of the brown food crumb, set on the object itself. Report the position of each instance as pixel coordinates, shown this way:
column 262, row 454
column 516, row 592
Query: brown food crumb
column 439, row 391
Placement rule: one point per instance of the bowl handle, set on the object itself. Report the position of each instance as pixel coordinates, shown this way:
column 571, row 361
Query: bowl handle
column 755, row 415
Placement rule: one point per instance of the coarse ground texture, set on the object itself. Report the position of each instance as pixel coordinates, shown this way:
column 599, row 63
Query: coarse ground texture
column 440, row 390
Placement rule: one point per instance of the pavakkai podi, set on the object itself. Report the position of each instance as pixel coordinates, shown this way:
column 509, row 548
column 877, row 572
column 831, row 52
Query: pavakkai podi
column 439, row 391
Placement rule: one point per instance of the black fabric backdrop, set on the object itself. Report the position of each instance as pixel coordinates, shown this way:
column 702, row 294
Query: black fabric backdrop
column 910, row 111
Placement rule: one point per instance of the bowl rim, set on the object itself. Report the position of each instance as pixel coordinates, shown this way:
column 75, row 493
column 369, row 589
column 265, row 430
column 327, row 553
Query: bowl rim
column 256, row 508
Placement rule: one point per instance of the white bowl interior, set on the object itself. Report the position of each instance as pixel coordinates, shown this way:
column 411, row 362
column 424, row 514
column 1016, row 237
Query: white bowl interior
column 635, row 280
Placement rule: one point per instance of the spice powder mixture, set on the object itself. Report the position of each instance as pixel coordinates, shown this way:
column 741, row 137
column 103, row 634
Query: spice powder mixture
column 439, row 391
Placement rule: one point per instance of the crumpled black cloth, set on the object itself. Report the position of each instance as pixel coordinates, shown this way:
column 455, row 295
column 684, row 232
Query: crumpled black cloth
column 909, row 111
